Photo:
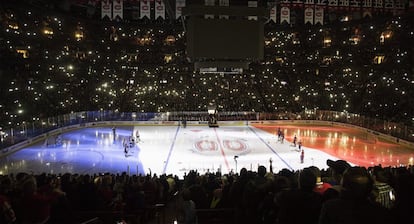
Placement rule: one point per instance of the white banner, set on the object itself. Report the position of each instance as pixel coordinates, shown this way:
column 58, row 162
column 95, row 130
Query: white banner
column 399, row 4
column 344, row 3
column 367, row 13
column 333, row 3
column 224, row 3
column 106, row 7
column 252, row 4
column 159, row 9
column 273, row 14
column 179, row 5
column 309, row 2
column 389, row 4
column 378, row 4
column 285, row 15
column 118, row 9
column 145, row 9
column 209, row 3
column 297, row 3
column 308, row 15
column 354, row 3
column 319, row 15
column 367, row 3
column 321, row 2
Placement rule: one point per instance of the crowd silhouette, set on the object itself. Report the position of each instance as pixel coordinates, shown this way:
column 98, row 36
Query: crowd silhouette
column 340, row 194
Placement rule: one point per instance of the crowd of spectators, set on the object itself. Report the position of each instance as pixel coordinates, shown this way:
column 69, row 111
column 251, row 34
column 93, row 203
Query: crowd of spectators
column 340, row 194
column 56, row 62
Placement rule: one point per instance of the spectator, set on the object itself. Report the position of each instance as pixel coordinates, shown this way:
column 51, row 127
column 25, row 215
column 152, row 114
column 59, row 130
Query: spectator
column 353, row 205
column 300, row 205
column 382, row 193
column 337, row 169
column 187, row 209
column 236, row 191
column 321, row 186
column 36, row 207
column 254, row 193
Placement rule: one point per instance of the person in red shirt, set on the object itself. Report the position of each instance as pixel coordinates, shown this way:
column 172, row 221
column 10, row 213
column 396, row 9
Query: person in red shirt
column 321, row 186
column 302, row 156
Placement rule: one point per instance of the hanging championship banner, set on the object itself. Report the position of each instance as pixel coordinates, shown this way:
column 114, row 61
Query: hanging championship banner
column 145, row 9
column 366, row 3
column 224, row 3
column 319, row 15
column 159, row 9
column 399, row 4
column 308, row 15
column 321, row 2
column 179, row 4
column 298, row 3
column 118, row 9
column 366, row 7
column 343, row 4
column 333, row 4
column 106, row 9
column 252, row 4
column 273, row 13
column 354, row 4
column 284, row 2
column 389, row 4
column 209, row 3
column 309, row 2
column 367, row 13
column 285, row 15
column 378, row 4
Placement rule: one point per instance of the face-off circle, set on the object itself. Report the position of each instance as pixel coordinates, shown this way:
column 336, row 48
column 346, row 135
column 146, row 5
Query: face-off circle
column 230, row 146
column 206, row 146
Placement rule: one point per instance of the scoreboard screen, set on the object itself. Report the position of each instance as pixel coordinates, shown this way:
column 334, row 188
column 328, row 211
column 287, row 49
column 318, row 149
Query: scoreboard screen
column 225, row 39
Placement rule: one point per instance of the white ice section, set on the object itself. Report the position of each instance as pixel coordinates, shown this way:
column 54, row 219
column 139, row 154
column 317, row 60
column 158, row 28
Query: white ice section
column 162, row 149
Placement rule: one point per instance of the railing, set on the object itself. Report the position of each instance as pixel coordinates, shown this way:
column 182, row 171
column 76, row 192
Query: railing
column 29, row 129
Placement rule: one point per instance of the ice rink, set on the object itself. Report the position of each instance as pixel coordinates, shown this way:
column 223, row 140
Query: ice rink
column 174, row 150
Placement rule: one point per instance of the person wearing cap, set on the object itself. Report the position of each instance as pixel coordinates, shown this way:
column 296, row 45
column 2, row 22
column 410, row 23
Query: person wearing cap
column 337, row 168
column 353, row 204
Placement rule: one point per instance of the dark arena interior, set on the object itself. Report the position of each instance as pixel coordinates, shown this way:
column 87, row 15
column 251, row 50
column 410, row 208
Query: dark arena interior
column 207, row 111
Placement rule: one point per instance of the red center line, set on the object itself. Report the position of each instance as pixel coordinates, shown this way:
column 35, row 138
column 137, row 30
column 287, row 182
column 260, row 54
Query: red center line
column 222, row 151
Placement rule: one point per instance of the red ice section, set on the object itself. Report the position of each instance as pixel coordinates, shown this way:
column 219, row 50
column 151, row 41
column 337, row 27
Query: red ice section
column 349, row 144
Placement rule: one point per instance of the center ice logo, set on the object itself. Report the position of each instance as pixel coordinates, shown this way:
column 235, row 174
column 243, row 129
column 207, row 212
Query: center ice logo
column 229, row 145
column 206, row 146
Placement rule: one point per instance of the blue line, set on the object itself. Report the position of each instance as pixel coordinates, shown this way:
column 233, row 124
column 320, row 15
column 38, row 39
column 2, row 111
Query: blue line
column 171, row 148
column 270, row 147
